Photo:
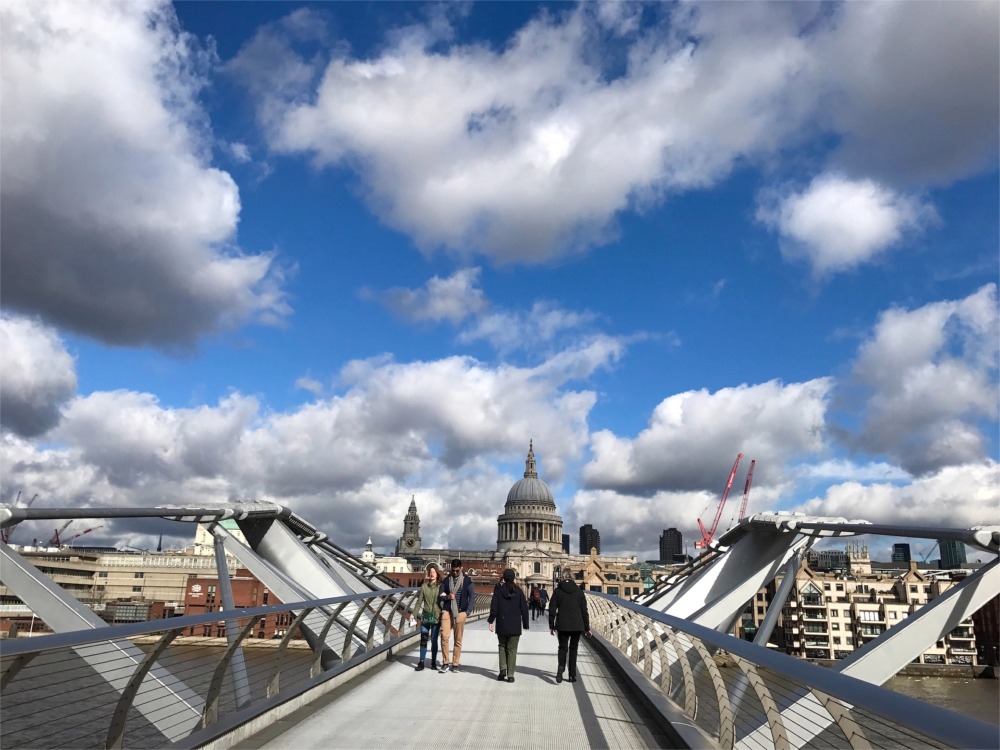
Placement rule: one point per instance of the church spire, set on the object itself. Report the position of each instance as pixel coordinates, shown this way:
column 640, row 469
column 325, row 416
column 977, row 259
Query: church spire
column 529, row 464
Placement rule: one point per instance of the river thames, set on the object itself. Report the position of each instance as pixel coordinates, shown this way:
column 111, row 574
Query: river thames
column 978, row 698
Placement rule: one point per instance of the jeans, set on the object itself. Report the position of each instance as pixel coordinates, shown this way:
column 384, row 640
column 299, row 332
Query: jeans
column 432, row 632
column 508, row 653
column 568, row 641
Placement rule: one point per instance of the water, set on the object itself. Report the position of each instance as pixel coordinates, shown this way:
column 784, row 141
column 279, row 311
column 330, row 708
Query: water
column 977, row 698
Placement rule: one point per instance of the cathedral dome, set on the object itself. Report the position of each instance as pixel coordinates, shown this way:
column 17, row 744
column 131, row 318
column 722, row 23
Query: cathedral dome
column 530, row 490
column 529, row 519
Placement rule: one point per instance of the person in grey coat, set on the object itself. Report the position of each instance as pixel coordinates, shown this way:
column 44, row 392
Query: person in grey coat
column 509, row 610
column 569, row 618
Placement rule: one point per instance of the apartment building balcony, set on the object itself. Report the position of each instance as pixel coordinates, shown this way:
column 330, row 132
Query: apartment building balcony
column 814, row 616
column 814, row 629
column 813, row 642
column 870, row 635
column 955, row 649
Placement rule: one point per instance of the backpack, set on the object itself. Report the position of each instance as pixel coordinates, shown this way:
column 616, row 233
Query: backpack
column 535, row 596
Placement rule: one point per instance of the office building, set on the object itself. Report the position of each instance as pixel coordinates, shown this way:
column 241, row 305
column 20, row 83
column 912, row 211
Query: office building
column 671, row 545
column 952, row 554
column 590, row 538
column 901, row 552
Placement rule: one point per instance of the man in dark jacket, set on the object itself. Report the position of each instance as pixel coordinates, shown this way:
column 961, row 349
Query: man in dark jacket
column 457, row 597
column 509, row 609
column 569, row 617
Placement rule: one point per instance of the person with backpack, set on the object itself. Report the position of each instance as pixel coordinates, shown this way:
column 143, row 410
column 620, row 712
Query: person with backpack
column 509, row 610
column 569, row 617
column 536, row 601
column 544, row 601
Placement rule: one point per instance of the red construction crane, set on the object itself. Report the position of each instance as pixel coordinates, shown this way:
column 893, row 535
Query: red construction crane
column 708, row 534
column 77, row 536
column 746, row 492
column 55, row 541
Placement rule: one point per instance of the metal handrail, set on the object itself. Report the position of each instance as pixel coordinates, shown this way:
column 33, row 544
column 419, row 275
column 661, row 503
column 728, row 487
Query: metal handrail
column 21, row 714
column 638, row 632
column 16, row 646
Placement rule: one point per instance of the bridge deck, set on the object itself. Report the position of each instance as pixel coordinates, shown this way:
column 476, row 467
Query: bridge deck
column 394, row 706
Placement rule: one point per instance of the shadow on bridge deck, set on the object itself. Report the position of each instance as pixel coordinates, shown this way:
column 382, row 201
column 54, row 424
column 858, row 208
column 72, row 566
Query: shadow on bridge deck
column 394, row 706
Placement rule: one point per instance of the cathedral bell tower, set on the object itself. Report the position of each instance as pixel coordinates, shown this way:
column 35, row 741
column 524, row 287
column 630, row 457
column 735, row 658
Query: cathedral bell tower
column 409, row 543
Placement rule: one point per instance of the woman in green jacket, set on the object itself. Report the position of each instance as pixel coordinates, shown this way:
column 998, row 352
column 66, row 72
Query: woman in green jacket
column 430, row 614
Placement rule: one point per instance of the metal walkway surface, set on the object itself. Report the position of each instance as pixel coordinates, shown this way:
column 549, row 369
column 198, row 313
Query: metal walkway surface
column 398, row 707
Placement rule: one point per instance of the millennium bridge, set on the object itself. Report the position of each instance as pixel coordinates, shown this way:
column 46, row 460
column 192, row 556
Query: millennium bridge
column 662, row 671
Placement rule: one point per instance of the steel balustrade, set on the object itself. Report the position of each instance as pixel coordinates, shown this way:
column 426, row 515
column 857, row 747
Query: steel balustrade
column 742, row 696
column 51, row 698
column 40, row 712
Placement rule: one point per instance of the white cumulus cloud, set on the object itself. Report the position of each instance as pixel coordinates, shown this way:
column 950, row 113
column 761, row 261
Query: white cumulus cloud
column 837, row 224
column 115, row 223
column 37, row 376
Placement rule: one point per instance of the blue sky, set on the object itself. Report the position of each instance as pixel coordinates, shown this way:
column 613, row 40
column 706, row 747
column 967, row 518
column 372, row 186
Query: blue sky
column 336, row 255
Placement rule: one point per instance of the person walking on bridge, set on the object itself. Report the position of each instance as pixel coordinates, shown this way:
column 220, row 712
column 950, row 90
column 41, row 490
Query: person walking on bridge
column 456, row 597
column 430, row 614
column 509, row 610
column 569, row 617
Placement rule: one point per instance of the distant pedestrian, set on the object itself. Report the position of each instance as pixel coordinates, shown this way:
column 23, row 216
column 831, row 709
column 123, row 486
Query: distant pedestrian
column 536, row 601
column 456, row 596
column 509, row 609
column 430, row 614
column 569, row 617
column 544, row 600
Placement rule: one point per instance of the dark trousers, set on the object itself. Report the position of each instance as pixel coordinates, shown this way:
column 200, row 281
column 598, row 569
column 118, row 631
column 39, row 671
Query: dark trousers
column 569, row 642
column 507, row 645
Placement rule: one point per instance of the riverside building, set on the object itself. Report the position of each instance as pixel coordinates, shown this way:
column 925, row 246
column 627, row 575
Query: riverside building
column 829, row 615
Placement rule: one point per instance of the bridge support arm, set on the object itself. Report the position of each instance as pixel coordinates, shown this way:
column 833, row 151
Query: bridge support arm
column 237, row 664
column 163, row 699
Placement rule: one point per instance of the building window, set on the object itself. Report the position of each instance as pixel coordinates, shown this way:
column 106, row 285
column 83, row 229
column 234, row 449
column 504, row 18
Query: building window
column 892, row 615
column 840, row 587
column 836, row 641
column 140, row 575
column 834, row 626
column 826, row 586
column 913, row 589
column 849, row 640
column 103, row 574
column 834, row 613
column 136, row 589
column 538, row 567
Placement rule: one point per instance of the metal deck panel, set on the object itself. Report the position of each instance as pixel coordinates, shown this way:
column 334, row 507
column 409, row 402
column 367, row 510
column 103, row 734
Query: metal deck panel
column 400, row 708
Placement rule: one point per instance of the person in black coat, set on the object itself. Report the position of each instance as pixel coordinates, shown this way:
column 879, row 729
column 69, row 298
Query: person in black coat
column 509, row 610
column 569, row 617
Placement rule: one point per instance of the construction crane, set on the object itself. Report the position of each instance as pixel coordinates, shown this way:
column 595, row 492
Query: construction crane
column 707, row 535
column 5, row 533
column 923, row 558
column 66, row 542
column 746, row 491
column 55, row 541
